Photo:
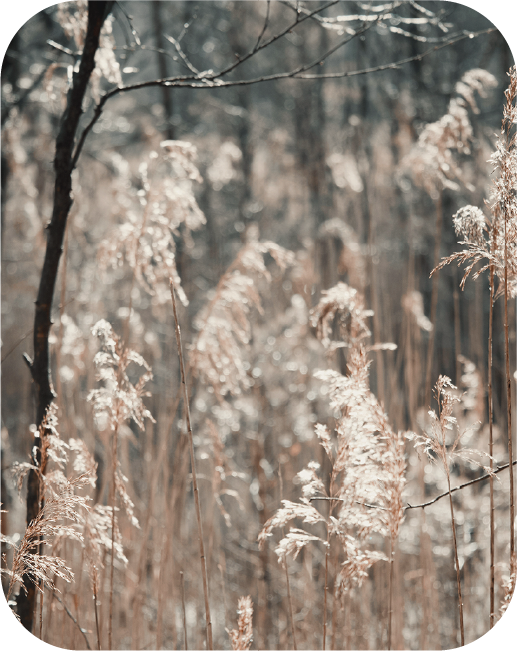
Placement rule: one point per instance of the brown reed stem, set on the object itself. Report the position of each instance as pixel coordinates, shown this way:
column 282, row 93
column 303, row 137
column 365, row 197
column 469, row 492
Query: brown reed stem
column 458, row 579
column 327, row 553
column 390, row 593
column 290, row 604
column 113, row 507
column 194, row 476
column 434, row 301
column 182, row 581
column 457, row 333
column 491, row 448
column 97, row 627
column 508, row 387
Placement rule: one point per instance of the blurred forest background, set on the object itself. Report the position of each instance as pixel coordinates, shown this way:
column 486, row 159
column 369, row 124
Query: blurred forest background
column 358, row 175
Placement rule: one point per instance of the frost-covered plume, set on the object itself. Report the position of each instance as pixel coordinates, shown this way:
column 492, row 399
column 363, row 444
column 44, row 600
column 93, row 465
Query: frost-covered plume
column 343, row 305
column 470, row 224
column 433, row 161
column 42, row 569
column 413, row 304
column 509, row 586
column 222, row 471
column 164, row 208
column 441, row 440
column 118, row 400
column 347, row 304
column 217, row 354
column 54, row 458
column 242, row 637
column 365, row 455
column 484, row 238
column 352, row 259
column 472, row 405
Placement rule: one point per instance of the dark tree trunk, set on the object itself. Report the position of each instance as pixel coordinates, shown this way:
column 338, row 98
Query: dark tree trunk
column 162, row 69
column 40, row 365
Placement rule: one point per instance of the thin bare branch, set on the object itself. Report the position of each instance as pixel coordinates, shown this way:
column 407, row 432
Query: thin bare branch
column 67, row 611
column 265, row 26
column 210, row 81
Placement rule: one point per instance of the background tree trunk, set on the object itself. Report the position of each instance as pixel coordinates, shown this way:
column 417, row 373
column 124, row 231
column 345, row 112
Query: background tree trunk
column 40, row 365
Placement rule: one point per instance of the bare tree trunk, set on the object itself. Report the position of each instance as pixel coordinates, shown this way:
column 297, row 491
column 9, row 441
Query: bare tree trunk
column 63, row 166
column 162, row 68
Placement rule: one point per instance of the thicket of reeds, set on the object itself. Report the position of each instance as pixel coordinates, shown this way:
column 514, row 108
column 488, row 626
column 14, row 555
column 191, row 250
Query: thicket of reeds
column 269, row 455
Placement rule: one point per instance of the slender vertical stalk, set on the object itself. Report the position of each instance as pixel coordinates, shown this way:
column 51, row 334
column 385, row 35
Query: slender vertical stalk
column 327, row 553
column 434, row 300
column 390, row 593
column 457, row 333
column 290, row 603
column 508, row 387
column 97, row 627
column 182, row 581
column 194, row 476
column 113, row 508
column 453, row 524
column 326, row 589
column 491, row 449
column 458, row 579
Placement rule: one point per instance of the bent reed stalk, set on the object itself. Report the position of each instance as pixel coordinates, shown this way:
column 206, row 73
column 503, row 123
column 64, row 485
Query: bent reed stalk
column 210, row 644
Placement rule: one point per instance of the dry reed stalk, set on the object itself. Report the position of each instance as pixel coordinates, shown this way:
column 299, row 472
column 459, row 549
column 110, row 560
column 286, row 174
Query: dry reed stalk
column 290, row 604
column 118, row 400
column 162, row 582
column 390, row 591
column 113, row 493
column 434, row 301
column 457, row 332
column 374, row 299
column 335, row 604
column 458, row 578
column 289, row 600
column 491, row 447
column 113, row 500
column 210, row 645
column 327, row 553
column 222, row 570
column 508, row 387
column 435, row 445
column 70, row 615
column 444, row 412
column 97, row 627
column 182, row 581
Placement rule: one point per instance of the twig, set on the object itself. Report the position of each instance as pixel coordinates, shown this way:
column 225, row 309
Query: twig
column 194, row 476
column 424, row 504
column 11, row 350
column 264, row 28
column 67, row 611
column 182, row 55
